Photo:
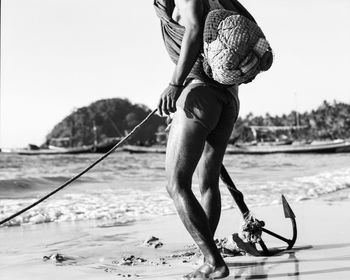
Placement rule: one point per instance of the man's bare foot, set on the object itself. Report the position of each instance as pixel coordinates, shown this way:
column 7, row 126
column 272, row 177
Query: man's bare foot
column 207, row 271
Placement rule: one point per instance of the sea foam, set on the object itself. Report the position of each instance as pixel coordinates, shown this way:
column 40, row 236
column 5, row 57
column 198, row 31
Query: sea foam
column 129, row 188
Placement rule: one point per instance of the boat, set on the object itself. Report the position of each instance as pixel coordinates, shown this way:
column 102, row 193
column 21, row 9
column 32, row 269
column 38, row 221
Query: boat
column 287, row 144
column 55, row 151
column 102, row 147
column 133, row 149
column 337, row 146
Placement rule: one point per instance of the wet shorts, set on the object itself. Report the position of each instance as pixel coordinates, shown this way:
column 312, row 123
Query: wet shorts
column 208, row 105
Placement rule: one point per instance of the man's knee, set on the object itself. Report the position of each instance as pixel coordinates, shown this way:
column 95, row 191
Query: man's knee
column 177, row 186
column 208, row 177
column 208, row 185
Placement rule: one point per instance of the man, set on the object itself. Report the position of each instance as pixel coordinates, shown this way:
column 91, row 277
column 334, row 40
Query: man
column 204, row 116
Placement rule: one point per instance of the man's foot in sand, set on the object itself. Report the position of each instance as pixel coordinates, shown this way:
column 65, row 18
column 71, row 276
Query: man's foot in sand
column 207, row 271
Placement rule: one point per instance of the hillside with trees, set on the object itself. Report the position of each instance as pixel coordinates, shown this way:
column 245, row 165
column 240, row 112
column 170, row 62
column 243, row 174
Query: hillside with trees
column 106, row 119
column 111, row 118
column 328, row 122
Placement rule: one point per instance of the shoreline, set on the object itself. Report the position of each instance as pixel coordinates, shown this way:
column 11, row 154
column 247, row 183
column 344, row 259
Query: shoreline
column 95, row 249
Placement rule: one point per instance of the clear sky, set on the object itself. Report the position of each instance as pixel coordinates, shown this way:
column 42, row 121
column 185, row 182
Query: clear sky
column 58, row 55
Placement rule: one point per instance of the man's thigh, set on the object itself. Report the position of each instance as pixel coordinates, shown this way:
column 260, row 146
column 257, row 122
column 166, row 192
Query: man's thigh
column 214, row 150
column 210, row 163
column 184, row 149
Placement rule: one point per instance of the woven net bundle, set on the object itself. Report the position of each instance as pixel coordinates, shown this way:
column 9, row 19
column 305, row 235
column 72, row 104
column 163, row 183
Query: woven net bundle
column 235, row 48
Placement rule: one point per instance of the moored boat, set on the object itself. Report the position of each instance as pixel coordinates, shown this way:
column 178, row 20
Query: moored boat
column 142, row 149
column 102, row 147
column 337, row 146
column 318, row 147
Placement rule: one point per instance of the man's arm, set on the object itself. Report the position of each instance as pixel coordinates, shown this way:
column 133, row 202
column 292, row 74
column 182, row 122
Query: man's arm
column 191, row 12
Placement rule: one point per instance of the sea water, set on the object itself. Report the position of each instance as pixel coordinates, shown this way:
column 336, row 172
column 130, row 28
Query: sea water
column 129, row 187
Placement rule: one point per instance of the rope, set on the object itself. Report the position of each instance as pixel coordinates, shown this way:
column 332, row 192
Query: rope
column 82, row 172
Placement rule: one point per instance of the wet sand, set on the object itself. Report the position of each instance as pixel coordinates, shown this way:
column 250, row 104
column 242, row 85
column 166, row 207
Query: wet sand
column 107, row 250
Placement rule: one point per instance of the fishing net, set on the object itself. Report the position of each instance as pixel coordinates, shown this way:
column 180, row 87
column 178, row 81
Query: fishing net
column 235, row 49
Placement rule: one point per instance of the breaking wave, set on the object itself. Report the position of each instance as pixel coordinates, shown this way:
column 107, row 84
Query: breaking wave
column 134, row 188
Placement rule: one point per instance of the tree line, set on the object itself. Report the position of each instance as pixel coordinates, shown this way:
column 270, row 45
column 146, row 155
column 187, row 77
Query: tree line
column 113, row 118
column 328, row 122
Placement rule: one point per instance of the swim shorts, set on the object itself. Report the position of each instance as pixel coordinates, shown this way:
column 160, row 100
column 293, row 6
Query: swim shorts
column 203, row 102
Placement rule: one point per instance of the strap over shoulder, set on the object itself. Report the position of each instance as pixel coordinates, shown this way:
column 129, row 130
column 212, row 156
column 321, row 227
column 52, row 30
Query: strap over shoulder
column 165, row 5
column 172, row 32
column 165, row 8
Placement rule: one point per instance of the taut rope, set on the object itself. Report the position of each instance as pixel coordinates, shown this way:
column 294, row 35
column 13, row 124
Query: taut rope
column 82, row 172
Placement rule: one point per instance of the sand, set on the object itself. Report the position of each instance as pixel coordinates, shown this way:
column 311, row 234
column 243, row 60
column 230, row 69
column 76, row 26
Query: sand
column 95, row 250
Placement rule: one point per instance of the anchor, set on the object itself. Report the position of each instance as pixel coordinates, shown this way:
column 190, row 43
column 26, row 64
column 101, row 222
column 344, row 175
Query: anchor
column 248, row 246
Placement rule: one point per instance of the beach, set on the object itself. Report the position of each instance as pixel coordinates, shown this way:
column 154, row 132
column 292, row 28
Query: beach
column 84, row 245
column 95, row 249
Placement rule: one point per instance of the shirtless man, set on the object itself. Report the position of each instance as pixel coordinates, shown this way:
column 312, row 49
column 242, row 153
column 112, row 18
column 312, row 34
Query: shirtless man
column 204, row 116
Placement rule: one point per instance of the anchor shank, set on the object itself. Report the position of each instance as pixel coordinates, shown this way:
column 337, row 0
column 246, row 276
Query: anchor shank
column 264, row 248
column 276, row 235
column 236, row 194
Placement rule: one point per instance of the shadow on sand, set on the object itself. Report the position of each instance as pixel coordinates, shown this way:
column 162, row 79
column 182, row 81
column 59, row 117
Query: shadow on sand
column 261, row 269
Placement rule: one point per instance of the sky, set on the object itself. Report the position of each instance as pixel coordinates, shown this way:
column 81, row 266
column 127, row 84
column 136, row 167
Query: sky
column 59, row 55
